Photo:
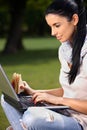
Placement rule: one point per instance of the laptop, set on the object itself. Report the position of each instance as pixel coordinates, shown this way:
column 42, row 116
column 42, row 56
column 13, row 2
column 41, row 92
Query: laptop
column 21, row 102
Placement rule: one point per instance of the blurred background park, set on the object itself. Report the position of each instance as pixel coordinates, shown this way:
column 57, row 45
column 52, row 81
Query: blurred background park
column 26, row 46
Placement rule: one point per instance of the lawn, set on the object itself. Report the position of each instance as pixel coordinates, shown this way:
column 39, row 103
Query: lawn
column 38, row 64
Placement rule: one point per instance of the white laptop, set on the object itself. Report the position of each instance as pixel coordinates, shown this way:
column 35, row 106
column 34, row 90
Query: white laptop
column 21, row 102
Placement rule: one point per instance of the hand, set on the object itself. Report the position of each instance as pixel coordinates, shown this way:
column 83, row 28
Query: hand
column 27, row 89
column 45, row 97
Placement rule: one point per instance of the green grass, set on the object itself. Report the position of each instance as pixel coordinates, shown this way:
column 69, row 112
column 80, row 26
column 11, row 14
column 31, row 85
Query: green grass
column 38, row 64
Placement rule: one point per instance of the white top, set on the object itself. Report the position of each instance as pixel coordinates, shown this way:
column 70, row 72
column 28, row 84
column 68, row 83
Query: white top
column 78, row 89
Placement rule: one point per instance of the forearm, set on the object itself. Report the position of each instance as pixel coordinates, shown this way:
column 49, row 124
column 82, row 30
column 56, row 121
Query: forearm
column 56, row 92
column 76, row 104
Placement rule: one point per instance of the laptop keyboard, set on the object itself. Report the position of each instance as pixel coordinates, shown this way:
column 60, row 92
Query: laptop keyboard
column 27, row 101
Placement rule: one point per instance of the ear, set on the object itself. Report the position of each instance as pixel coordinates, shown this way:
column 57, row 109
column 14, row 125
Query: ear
column 75, row 19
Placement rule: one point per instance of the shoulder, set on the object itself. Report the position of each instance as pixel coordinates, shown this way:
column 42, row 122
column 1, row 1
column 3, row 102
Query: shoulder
column 65, row 47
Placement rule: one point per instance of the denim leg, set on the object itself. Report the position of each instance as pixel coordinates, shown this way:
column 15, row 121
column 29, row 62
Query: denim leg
column 44, row 119
column 36, row 118
column 12, row 114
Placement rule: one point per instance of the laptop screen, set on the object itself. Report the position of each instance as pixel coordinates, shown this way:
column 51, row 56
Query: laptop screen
column 5, row 85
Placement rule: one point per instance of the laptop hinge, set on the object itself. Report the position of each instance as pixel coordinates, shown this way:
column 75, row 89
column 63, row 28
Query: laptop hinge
column 12, row 102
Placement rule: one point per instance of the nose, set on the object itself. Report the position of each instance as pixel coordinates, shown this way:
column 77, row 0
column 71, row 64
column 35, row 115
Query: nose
column 53, row 32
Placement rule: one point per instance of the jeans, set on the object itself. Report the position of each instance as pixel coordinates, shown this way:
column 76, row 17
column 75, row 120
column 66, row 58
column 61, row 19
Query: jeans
column 38, row 118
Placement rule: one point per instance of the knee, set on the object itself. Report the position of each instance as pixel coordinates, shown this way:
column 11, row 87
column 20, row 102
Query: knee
column 31, row 124
column 33, row 121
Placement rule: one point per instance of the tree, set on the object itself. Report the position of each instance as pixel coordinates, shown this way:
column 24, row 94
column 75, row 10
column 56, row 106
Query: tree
column 16, row 10
column 35, row 17
column 14, row 40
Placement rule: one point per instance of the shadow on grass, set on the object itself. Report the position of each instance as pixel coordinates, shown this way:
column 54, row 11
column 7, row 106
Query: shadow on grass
column 29, row 57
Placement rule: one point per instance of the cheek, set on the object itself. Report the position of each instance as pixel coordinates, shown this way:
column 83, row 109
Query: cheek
column 68, row 32
column 63, row 30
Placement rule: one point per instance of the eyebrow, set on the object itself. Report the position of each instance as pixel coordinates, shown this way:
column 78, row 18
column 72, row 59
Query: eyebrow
column 55, row 24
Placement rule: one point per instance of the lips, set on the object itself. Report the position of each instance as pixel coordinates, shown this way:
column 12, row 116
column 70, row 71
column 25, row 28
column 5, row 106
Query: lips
column 59, row 38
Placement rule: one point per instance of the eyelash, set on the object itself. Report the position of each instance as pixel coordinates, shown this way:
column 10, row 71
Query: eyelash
column 57, row 26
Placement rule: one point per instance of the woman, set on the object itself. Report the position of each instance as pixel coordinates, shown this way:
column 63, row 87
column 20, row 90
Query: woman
column 67, row 20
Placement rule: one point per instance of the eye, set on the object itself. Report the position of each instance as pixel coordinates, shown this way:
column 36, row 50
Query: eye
column 57, row 25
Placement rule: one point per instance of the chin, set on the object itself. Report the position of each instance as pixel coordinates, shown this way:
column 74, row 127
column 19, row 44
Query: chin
column 62, row 40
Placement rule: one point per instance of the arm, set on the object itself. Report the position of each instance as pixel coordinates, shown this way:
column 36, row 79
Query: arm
column 31, row 91
column 56, row 92
column 55, row 96
column 76, row 104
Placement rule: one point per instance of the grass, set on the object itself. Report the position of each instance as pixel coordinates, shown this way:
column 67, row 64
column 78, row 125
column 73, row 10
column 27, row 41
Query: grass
column 38, row 64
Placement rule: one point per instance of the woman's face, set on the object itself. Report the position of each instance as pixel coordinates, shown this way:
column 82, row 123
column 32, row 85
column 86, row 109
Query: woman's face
column 61, row 28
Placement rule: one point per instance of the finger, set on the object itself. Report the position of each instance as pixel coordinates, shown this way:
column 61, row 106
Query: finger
column 34, row 96
column 37, row 99
column 25, row 84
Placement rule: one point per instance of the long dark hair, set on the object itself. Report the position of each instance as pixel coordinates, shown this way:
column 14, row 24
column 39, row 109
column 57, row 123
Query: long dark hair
column 67, row 8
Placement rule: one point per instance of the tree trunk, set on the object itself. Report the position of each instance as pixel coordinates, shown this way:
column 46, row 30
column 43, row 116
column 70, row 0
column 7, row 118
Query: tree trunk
column 14, row 40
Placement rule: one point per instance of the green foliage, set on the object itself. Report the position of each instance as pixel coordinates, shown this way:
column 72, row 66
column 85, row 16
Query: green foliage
column 34, row 23
column 38, row 5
